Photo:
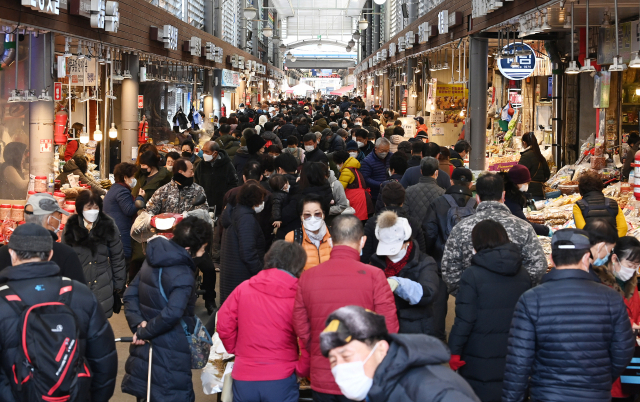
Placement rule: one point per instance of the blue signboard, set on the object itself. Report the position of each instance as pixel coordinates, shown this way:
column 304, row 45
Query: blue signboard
column 526, row 63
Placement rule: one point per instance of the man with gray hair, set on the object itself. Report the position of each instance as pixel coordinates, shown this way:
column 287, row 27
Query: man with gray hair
column 341, row 281
column 375, row 167
column 43, row 210
column 215, row 174
column 419, row 196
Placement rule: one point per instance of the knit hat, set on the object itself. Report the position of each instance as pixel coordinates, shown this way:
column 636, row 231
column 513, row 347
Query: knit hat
column 391, row 232
column 263, row 119
column 351, row 323
column 31, row 237
column 519, row 174
column 351, row 145
column 254, row 143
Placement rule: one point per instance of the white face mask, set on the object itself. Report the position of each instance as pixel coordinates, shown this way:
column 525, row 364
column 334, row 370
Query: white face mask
column 259, row 208
column 91, row 215
column 169, row 168
column 523, row 187
column 625, row 273
column 353, row 154
column 399, row 256
column 345, row 125
column 207, row 157
column 312, row 224
column 352, row 380
column 133, row 183
column 357, row 123
column 286, row 188
column 309, row 148
column 57, row 226
column 360, row 144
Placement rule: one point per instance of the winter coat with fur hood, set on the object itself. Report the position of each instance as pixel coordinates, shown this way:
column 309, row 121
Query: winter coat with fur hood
column 101, row 253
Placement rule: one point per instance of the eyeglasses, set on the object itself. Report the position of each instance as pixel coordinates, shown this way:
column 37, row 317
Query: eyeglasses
column 308, row 215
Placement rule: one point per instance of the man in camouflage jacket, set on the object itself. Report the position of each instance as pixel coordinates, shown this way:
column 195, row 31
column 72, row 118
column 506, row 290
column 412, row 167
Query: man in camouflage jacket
column 458, row 249
column 169, row 198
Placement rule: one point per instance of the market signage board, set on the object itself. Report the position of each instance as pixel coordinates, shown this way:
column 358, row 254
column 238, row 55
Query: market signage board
column 481, row 8
column 102, row 14
column 57, row 91
column 168, row 35
column 230, row 78
column 443, row 22
column 527, row 63
column 82, row 69
column 140, row 101
column 44, row 6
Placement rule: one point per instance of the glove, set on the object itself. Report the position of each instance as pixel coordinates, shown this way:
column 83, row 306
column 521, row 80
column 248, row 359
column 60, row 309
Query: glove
column 550, row 232
column 117, row 301
column 393, row 283
column 455, row 363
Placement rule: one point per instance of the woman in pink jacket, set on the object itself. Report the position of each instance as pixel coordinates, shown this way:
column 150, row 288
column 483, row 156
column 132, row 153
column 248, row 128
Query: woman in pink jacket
column 256, row 324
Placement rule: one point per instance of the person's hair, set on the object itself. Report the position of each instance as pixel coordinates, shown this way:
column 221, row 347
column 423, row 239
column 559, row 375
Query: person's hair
column 429, row 166
column 248, row 132
column 309, row 199
column 633, row 138
column 488, row 234
column 564, row 257
column 292, row 140
column 393, row 195
column 268, row 164
column 489, row 187
column 180, row 164
column 87, row 197
column 398, row 130
column 366, row 120
column 251, row 194
column 313, row 174
column 382, row 141
column 444, row 154
column 286, row 162
column 81, row 163
column 27, row 255
column 213, row 146
column 462, row 146
column 417, row 147
column 192, row 232
column 398, row 163
column 601, row 230
column 588, row 181
column 340, row 156
column 277, row 181
column 342, row 133
column 346, row 229
column 628, row 248
column 285, row 255
column 431, row 149
column 268, row 126
column 511, row 190
column 123, row 170
column 362, row 133
column 397, row 123
column 36, row 219
column 13, row 153
column 252, row 170
column 189, row 143
column 237, row 133
column 531, row 141
column 173, row 155
column 232, row 120
column 150, row 159
column 310, row 137
column 274, row 149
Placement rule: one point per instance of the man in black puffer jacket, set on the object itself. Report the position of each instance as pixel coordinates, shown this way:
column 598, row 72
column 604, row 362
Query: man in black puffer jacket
column 36, row 280
column 404, row 367
column 570, row 337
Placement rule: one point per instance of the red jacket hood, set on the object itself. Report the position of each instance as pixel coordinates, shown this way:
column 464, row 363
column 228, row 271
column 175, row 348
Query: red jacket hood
column 275, row 282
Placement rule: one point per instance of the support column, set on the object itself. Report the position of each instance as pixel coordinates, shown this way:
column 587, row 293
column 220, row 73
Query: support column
column 368, row 33
column 479, row 52
column 129, row 113
column 209, row 17
column 387, row 21
column 207, row 103
column 412, row 8
column 376, row 30
column 40, row 113
column 385, row 91
column 254, row 37
column 243, row 28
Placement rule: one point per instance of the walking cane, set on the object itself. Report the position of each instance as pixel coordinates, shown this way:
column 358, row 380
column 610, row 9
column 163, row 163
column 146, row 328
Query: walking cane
column 130, row 339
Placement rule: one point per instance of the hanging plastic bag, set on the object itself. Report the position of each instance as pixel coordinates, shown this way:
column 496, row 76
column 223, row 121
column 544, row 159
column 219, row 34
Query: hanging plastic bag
column 504, row 115
column 141, row 228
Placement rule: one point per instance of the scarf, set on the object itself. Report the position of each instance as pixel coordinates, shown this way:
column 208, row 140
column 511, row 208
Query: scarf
column 316, row 238
column 393, row 268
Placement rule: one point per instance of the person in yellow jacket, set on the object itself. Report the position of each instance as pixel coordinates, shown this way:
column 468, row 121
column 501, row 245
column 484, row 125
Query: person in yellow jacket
column 595, row 205
column 313, row 236
column 347, row 175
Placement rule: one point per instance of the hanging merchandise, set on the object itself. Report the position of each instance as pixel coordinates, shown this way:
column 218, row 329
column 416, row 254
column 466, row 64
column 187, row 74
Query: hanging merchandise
column 180, row 121
column 507, row 112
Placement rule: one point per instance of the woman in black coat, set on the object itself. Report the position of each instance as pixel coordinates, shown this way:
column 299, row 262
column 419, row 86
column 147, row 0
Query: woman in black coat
column 533, row 160
column 516, row 196
column 489, row 291
column 243, row 243
column 412, row 274
column 152, row 316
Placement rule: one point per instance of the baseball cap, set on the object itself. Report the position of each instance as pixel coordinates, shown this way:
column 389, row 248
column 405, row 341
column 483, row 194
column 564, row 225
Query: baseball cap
column 573, row 239
column 351, row 323
column 391, row 232
column 43, row 204
column 419, row 119
column 462, row 174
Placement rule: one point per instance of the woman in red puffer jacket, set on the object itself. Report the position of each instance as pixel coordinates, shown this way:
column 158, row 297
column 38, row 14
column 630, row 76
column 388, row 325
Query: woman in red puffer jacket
column 256, row 324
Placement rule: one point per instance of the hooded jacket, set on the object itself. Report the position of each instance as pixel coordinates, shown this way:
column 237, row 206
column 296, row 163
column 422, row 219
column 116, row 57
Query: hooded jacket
column 375, row 171
column 256, row 324
column 489, row 291
column 346, row 176
column 143, row 301
column 243, row 248
column 570, row 338
column 72, row 168
column 415, row 370
column 216, row 178
column 101, row 254
column 229, row 144
column 96, row 336
column 270, row 136
column 320, row 125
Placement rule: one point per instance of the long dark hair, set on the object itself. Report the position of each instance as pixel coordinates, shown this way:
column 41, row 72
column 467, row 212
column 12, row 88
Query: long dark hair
column 512, row 192
column 313, row 174
column 532, row 142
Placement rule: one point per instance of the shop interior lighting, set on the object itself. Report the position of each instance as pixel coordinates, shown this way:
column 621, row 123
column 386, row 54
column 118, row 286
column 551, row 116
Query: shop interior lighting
column 573, row 68
column 617, row 65
column 545, row 26
column 635, row 63
column 348, row 49
column 79, row 53
column 250, row 13
column 84, row 137
column 97, row 135
column 67, row 51
column 113, row 133
column 356, row 35
column 587, row 67
column 363, row 24
column 606, row 19
column 293, row 58
column 267, row 32
column 445, row 66
column 462, row 112
column 101, row 59
column 351, row 43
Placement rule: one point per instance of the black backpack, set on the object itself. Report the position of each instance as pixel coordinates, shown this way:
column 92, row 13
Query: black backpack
column 49, row 365
column 457, row 213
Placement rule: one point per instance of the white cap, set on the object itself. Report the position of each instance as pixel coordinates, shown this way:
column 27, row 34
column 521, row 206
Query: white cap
column 391, row 238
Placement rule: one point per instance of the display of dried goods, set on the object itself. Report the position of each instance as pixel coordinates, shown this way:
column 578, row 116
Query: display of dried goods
column 598, row 162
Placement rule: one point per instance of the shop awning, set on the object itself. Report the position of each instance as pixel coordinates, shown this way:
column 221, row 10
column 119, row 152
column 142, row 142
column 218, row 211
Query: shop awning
column 342, row 90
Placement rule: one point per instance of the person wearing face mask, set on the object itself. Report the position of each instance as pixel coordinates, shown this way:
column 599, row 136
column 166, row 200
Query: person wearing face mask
column 516, row 196
column 341, row 281
column 595, row 205
column 354, row 151
column 362, row 139
column 312, row 152
column 368, row 363
column 171, row 157
column 412, row 275
column 159, row 308
column 251, row 151
column 243, row 242
column 621, row 274
column 314, row 234
column 95, row 238
column 188, row 148
column 603, row 238
column 375, row 167
column 120, row 205
column 43, row 210
column 355, row 190
column 150, row 177
column 280, row 189
column 215, row 174
column 178, row 195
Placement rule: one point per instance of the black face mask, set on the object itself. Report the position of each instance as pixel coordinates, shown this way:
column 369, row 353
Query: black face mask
column 182, row 181
column 186, row 154
column 145, row 172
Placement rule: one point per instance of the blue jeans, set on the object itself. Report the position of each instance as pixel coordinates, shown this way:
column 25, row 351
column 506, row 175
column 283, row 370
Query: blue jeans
column 286, row 390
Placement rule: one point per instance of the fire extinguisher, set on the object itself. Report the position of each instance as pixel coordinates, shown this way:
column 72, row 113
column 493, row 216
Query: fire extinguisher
column 403, row 107
column 60, row 137
column 143, row 128
column 223, row 111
